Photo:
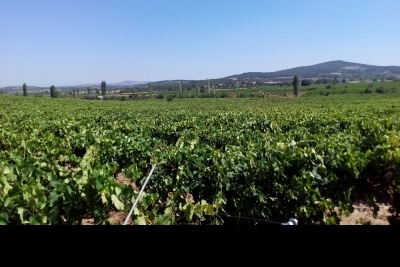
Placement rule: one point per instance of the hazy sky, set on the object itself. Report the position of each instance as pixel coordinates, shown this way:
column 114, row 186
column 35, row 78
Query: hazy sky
column 70, row 42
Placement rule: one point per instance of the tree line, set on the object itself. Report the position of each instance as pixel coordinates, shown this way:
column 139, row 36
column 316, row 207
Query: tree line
column 54, row 93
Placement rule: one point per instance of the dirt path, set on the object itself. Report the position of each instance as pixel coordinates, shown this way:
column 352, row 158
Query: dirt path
column 363, row 215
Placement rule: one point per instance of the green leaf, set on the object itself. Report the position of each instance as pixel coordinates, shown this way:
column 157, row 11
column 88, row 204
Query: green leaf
column 136, row 211
column 117, row 191
column 53, row 197
column 6, row 170
column 140, row 221
column 20, row 211
column 189, row 211
column 117, row 203
column 103, row 198
column 4, row 216
column 33, row 221
column 7, row 202
column 3, row 222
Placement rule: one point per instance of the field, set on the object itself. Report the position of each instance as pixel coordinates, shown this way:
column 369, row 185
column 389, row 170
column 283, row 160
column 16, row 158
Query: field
column 311, row 158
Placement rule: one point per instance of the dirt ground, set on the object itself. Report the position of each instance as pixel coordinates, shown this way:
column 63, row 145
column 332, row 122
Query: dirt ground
column 363, row 215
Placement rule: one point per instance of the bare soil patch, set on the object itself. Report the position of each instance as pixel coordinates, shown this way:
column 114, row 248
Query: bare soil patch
column 363, row 215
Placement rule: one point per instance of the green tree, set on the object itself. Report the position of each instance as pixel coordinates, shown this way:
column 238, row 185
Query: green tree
column 306, row 82
column 296, row 85
column 25, row 90
column 181, row 87
column 103, row 88
column 344, row 81
column 208, row 85
column 149, row 88
column 53, row 92
column 97, row 91
column 89, row 90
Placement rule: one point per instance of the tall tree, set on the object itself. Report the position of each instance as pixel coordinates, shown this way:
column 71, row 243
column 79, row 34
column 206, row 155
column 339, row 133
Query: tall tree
column 103, row 88
column 181, row 87
column 296, row 85
column 150, row 89
column 97, row 91
column 53, row 92
column 24, row 89
column 208, row 85
column 89, row 90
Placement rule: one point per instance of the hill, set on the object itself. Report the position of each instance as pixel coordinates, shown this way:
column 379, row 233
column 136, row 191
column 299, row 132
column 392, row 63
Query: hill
column 330, row 69
column 340, row 69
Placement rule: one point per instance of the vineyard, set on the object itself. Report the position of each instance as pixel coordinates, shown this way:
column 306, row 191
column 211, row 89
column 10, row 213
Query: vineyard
column 62, row 160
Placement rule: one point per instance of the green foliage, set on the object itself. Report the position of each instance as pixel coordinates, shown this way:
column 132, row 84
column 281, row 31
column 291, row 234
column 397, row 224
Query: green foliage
column 250, row 157
column 296, row 85
column 381, row 90
column 306, row 82
column 103, row 88
column 53, row 92
column 368, row 91
column 24, row 89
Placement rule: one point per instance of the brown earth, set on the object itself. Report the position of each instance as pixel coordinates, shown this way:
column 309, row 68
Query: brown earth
column 363, row 215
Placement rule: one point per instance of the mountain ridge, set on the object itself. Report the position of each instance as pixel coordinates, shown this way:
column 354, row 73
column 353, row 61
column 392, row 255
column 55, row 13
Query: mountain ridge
column 336, row 67
column 330, row 69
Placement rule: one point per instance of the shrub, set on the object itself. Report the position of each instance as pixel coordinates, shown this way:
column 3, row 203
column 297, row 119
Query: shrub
column 381, row 90
column 368, row 91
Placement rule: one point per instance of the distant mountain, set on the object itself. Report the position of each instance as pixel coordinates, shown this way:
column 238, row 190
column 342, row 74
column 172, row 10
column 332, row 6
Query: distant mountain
column 338, row 68
column 124, row 83
column 327, row 69
column 128, row 83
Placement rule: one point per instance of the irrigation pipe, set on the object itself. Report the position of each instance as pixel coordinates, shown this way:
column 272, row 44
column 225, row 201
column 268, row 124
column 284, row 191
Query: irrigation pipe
column 140, row 193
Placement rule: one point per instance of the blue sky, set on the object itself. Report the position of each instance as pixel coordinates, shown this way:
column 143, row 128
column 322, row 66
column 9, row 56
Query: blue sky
column 70, row 42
